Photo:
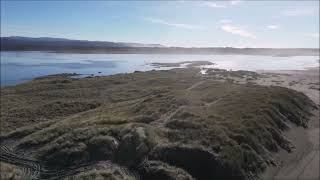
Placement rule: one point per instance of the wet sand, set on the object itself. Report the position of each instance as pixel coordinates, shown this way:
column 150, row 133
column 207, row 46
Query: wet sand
column 303, row 162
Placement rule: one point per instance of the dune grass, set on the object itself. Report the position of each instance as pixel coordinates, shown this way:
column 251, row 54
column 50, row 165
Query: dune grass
column 153, row 123
column 10, row 172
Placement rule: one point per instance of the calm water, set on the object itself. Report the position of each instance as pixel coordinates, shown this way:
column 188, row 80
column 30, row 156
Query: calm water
column 17, row 67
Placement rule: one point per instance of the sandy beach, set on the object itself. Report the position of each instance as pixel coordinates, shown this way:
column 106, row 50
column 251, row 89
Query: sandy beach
column 303, row 162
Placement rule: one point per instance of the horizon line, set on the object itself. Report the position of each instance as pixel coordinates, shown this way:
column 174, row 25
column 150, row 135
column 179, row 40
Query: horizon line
column 164, row 46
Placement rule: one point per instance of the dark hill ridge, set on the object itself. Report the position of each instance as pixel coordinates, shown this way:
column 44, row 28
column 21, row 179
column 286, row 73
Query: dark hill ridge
column 82, row 46
column 47, row 43
column 161, row 125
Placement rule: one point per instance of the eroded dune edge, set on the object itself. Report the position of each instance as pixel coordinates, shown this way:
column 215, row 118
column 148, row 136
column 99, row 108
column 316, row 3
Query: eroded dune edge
column 173, row 124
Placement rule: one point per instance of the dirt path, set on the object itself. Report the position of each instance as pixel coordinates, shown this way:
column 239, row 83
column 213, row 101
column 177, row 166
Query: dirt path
column 195, row 85
column 30, row 168
column 165, row 118
column 213, row 102
column 33, row 169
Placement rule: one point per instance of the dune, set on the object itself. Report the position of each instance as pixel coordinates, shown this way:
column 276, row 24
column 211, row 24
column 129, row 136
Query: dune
column 171, row 124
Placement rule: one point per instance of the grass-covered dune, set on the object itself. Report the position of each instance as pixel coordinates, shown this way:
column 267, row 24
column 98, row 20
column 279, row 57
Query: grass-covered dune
column 9, row 172
column 174, row 124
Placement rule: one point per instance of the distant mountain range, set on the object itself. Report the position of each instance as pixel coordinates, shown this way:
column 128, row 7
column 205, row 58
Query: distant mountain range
column 21, row 42
column 17, row 43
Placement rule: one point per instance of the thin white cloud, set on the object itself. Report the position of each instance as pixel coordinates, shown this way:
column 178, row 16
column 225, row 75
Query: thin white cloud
column 176, row 25
column 314, row 35
column 225, row 21
column 237, row 30
column 302, row 11
column 212, row 4
column 235, row 2
column 17, row 30
column 273, row 27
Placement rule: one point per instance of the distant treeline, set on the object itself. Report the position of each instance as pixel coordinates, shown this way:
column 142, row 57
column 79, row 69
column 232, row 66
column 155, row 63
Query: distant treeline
column 79, row 46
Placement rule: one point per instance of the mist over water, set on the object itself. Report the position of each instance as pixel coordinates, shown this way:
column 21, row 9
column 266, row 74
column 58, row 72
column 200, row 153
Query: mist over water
column 18, row 67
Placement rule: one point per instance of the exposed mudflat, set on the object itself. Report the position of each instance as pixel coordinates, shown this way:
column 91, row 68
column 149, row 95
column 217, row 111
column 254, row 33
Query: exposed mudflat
column 173, row 124
column 188, row 64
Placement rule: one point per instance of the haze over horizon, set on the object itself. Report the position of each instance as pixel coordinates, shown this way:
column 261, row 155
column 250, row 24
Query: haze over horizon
column 268, row 24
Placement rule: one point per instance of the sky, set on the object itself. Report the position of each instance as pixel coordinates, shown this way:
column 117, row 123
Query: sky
column 275, row 24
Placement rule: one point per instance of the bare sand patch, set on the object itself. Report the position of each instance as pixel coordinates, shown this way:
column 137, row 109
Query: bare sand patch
column 303, row 162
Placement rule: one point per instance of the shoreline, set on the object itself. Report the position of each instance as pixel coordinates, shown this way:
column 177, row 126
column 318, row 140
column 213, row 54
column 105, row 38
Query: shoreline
column 99, row 52
column 303, row 162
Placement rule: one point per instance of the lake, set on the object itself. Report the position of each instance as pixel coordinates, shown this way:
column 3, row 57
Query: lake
column 18, row 67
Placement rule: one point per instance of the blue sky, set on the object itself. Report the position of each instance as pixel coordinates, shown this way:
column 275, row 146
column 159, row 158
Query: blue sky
column 171, row 23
